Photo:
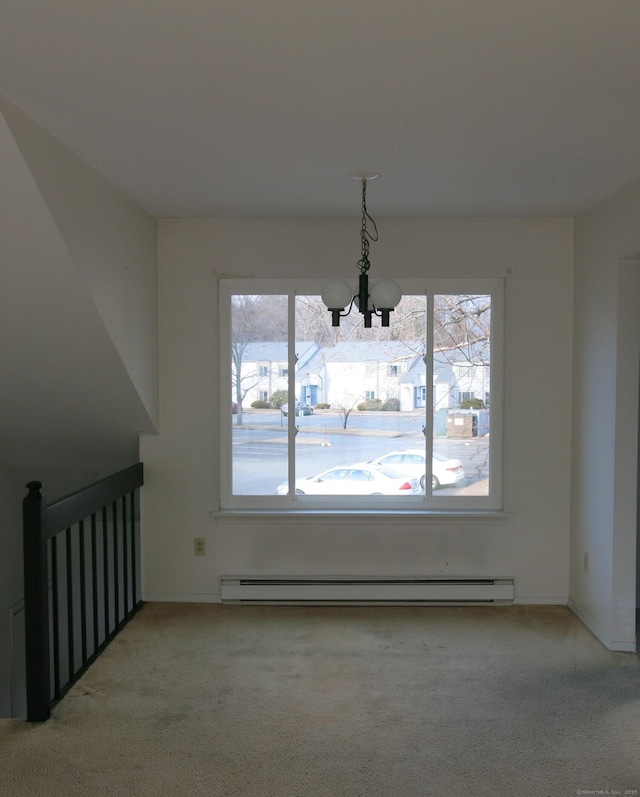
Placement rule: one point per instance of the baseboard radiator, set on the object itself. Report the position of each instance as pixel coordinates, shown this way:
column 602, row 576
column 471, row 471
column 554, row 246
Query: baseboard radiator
column 323, row 590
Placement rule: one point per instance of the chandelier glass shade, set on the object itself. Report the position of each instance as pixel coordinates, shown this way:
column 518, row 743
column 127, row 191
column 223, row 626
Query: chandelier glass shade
column 381, row 297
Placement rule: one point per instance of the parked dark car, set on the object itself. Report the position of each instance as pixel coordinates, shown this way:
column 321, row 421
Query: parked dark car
column 301, row 409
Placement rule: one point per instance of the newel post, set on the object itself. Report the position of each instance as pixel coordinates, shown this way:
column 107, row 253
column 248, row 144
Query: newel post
column 36, row 602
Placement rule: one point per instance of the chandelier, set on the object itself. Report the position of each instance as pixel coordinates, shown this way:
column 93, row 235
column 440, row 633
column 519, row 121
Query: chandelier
column 383, row 296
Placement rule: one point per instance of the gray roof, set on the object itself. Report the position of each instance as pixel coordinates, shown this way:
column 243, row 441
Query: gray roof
column 277, row 351
column 387, row 351
column 312, row 357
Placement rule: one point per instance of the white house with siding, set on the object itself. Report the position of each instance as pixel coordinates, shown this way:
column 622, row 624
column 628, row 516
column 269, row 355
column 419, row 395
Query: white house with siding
column 351, row 372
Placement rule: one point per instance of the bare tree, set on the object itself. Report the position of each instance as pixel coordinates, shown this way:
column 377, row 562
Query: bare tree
column 313, row 322
column 253, row 319
column 462, row 337
column 462, row 321
column 459, row 319
column 345, row 405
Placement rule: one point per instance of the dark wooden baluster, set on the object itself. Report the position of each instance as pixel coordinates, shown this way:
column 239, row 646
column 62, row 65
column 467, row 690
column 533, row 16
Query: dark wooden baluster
column 36, row 603
column 125, row 559
column 70, row 629
column 94, row 581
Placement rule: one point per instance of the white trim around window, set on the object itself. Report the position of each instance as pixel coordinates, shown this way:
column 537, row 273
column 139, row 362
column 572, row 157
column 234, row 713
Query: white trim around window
column 272, row 445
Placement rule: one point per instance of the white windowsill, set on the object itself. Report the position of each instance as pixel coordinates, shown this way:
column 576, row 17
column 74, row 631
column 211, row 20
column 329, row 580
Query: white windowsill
column 406, row 517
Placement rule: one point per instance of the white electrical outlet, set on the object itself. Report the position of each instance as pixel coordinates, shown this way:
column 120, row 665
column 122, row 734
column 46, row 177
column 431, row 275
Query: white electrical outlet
column 199, row 546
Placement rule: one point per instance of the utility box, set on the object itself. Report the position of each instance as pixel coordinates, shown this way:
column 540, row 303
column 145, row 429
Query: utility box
column 483, row 417
column 440, row 422
column 460, row 424
column 467, row 423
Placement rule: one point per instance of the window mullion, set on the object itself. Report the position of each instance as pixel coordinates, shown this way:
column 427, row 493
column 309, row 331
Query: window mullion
column 428, row 426
column 291, row 391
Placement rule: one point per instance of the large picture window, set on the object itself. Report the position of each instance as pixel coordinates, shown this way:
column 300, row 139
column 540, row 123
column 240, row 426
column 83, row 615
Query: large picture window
column 407, row 417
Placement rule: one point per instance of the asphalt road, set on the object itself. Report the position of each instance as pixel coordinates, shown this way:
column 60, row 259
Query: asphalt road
column 260, row 447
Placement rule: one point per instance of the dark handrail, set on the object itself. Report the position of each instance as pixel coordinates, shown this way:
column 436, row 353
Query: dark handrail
column 75, row 507
column 41, row 523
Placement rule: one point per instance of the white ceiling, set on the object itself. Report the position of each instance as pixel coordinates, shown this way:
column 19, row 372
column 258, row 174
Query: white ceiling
column 202, row 108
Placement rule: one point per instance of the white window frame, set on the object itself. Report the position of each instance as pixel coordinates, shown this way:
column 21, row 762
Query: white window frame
column 358, row 505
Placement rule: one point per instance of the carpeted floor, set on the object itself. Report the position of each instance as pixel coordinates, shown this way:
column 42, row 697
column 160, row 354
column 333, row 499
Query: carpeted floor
column 321, row 701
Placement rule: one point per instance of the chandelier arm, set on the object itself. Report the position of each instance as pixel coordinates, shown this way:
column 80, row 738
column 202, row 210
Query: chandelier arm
column 336, row 315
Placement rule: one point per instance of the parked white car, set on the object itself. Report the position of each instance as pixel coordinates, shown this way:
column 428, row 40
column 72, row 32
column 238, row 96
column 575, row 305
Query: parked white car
column 362, row 478
column 445, row 470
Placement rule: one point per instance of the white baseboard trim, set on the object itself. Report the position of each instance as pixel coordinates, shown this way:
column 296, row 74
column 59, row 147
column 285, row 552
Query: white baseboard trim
column 540, row 600
column 181, row 597
column 623, row 646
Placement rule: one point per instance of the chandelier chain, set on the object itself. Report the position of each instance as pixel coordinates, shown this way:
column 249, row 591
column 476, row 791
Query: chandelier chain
column 366, row 234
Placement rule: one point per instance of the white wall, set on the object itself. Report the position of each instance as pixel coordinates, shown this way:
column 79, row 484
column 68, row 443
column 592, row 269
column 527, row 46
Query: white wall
column 111, row 242
column 605, row 413
column 531, row 544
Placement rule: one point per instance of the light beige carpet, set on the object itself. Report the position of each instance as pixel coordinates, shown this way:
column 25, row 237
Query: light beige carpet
column 395, row 702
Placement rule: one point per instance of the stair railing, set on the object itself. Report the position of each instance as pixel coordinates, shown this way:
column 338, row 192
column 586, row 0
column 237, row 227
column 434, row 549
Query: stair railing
column 81, row 580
